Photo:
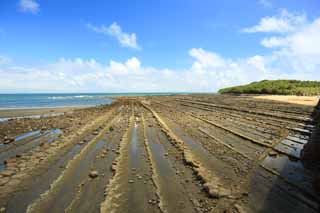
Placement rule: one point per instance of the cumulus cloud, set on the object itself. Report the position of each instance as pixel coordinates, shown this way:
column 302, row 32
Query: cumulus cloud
column 114, row 30
column 281, row 23
column 293, row 54
column 296, row 53
column 208, row 72
column 302, row 41
column 29, row 6
column 274, row 42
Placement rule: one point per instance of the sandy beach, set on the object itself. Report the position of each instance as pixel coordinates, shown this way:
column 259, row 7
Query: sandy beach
column 9, row 113
column 303, row 100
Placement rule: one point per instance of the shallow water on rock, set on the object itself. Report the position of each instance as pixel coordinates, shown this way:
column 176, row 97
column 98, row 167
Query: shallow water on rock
column 27, row 141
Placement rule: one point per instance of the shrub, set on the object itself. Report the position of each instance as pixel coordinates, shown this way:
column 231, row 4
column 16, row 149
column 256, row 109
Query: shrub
column 280, row 87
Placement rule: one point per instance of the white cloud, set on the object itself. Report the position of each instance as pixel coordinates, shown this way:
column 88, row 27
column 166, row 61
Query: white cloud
column 282, row 23
column 265, row 3
column 206, row 59
column 274, row 42
column 29, row 6
column 301, row 41
column 296, row 51
column 114, row 30
column 208, row 72
column 293, row 55
column 307, row 40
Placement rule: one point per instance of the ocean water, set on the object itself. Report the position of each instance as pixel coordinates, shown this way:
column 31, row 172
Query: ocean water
column 25, row 101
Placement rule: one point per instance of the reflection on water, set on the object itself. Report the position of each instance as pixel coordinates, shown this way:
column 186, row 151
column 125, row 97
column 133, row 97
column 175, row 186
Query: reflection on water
column 27, row 141
column 32, row 116
column 26, row 135
column 286, row 161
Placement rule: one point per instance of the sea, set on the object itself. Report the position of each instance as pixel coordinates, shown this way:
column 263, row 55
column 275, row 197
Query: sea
column 28, row 101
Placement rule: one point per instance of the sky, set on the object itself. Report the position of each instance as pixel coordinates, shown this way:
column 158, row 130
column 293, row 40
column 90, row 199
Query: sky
column 155, row 46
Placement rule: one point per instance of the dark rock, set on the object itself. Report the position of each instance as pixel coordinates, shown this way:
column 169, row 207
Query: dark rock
column 93, row 174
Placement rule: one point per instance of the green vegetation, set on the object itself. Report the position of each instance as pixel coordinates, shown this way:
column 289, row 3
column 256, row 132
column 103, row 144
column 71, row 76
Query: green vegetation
column 279, row 87
column 110, row 128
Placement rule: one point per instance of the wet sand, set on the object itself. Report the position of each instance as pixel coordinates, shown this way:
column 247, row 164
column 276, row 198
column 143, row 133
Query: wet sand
column 188, row 153
column 9, row 113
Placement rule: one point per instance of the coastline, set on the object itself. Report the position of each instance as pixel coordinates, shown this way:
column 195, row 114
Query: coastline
column 21, row 112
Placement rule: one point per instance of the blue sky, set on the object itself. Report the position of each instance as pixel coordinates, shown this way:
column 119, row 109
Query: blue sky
column 155, row 46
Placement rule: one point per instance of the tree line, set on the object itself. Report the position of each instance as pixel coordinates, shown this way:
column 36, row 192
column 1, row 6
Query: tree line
column 279, row 87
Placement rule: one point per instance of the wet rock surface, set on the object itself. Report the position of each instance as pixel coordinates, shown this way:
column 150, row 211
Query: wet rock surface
column 191, row 153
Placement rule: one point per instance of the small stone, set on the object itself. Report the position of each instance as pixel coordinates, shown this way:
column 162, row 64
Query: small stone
column 4, row 180
column 8, row 140
column 273, row 153
column 214, row 191
column 2, row 209
column 239, row 208
column 43, row 128
column 95, row 133
column 7, row 173
column 93, row 174
column 113, row 168
column 131, row 181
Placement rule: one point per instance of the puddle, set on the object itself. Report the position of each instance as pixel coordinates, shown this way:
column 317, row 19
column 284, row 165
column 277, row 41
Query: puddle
column 27, row 135
column 32, row 116
column 292, row 145
column 134, row 141
column 136, row 151
column 29, row 141
column 158, row 152
column 2, row 167
column 170, row 187
column 4, row 119
column 291, row 169
column 53, row 134
column 100, row 144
